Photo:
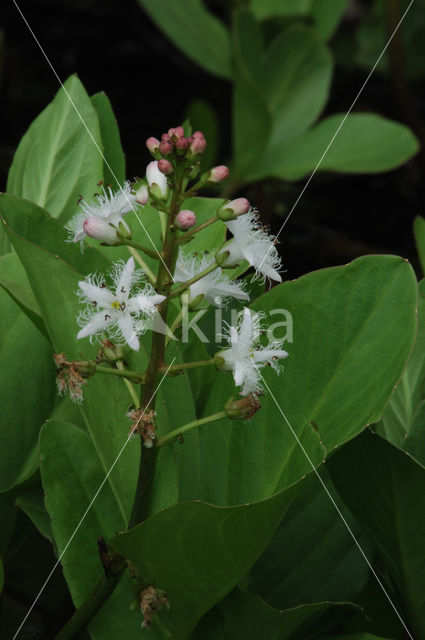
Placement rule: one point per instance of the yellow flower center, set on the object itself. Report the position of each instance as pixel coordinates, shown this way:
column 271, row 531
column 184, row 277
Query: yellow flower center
column 116, row 305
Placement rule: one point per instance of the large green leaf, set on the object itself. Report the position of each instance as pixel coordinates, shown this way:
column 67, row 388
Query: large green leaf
column 296, row 80
column 209, row 551
column 27, row 384
column 57, row 159
column 327, row 15
column 312, row 537
column 401, row 410
column 71, row 474
column 343, row 318
column 251, row 117
column 383, row 487
column 114, row 158
column 195, row 31
column 29, row 221
column 365, row 143
column 55, row 282
column 244, row 616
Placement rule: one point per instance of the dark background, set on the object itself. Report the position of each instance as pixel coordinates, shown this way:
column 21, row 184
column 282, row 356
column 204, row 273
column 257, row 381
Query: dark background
column 113, row 46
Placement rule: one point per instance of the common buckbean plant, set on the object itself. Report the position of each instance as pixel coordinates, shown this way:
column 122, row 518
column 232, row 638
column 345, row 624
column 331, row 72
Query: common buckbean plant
column 212, row 451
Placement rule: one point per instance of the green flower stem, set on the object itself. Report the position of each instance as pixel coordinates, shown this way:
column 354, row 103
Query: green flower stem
column 186, row 285
column 104, row 588
column 176, row 323
column 164, row 282
column 188, row 365
column 149, row 252
column 137, row 377
column 130, row 387
column 189, row 234
column 173, row 435
column 136, row 255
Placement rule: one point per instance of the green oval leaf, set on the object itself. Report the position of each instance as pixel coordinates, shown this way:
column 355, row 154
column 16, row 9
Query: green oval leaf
column 57, row 159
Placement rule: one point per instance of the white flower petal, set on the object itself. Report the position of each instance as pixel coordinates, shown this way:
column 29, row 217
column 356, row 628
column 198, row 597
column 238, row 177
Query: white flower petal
column 101, row 295
column 126, row 326
column 124, row 279
column 98, row 322
column 269, row 355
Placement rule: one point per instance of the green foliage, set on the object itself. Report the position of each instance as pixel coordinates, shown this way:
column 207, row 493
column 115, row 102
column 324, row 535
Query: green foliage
column 234, row 537
column 283, row 575
column 419, row 235
column 243, row 616
column 235, row 513
column 369, row 471
column 202, row 37
column 28, row 374
column 71, row 474
column 114, row 159
column 58, row 158
column 401, row 411
column 364, row 144
column 281, row 87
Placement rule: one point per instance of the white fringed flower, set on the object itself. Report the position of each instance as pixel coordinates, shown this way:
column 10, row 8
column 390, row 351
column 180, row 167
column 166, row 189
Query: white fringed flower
column 115, row 313
column 251, row 242
column 216, row 287
column 244, row 359
column 107, row 207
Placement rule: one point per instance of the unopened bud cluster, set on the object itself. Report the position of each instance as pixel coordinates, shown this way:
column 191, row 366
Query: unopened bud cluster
column 175, row 143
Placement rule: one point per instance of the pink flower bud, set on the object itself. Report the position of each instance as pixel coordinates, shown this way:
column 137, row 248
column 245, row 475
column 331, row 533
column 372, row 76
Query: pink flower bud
column 176, row 132
column 165, row 167
column 182, row 144
column 185, row 219
column 100, row 230
column 218, row 174
column 142, row 195
column 198, row 134
column 152, row 144
column 165, row 138
column 238, row 206
column 198, row 145
column 165, row 148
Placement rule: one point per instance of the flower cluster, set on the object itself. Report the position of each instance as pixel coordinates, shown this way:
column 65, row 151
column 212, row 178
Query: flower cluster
column 121, row 311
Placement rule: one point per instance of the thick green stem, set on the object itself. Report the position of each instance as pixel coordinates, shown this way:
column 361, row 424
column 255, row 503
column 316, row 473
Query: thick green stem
column 92, row 605
column 164, row 282
column 173, row 435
